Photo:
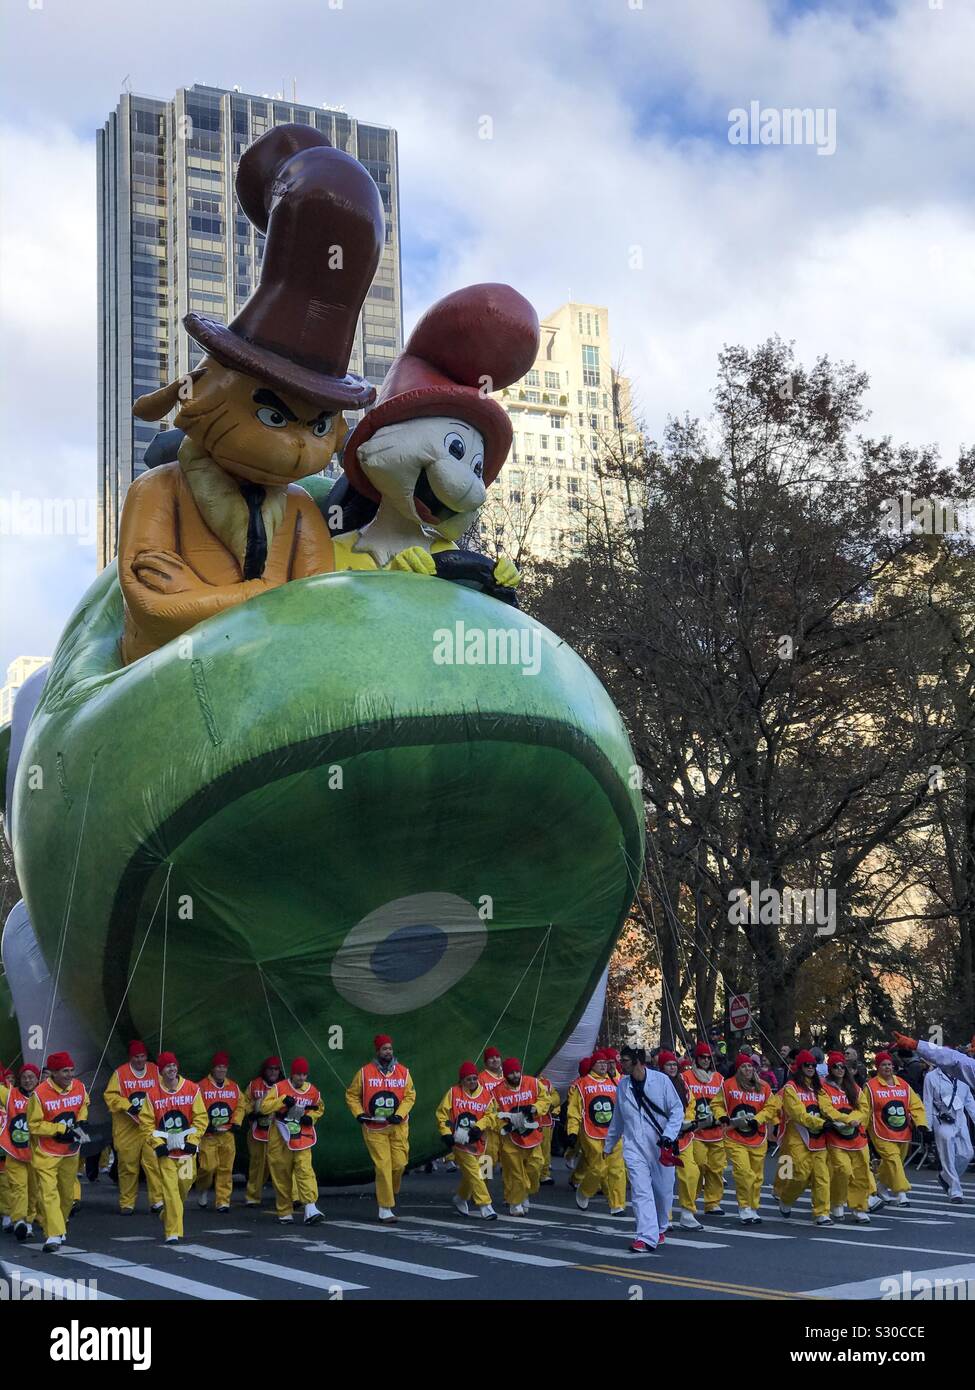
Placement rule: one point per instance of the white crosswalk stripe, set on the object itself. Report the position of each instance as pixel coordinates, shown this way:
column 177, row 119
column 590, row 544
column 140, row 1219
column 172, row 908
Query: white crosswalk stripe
column 267, row 1270
column 147, row 1274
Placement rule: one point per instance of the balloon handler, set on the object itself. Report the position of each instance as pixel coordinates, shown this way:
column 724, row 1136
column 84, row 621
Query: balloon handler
column 125, row 1096
column 57, row 1109
column 20, row 1200
column 381, row 1096
column 895, row 1110
column 520, row 1101
column 295, row 1106
column 259, row 1129
column 173, row 1119
column 465, row 1116
column 224, row 1104
column 592, row 1100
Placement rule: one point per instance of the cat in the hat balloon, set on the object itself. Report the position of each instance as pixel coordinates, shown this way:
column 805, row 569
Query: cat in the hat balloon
column 226, row 520
column 435, row 440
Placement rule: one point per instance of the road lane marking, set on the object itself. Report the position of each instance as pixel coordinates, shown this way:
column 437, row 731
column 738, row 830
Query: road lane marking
column 881, row 1245
column 112, row 1264
column 490, row 1253
column 41, row 1273
column 686, row 1282
column 268, row 1270
column 874, row 1288
column 384, row 1262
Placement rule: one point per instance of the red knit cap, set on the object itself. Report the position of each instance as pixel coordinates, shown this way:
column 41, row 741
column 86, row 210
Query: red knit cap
column 138, row 1048
column 803, row 1059
column 744, row 1059
column 271, row 1062
column 834, row 1058
column 702, row 1050
column 882, row 1057
column 380, row 1040
column 602, row 1054
column 167, row 1059
column 584, row 1066
column 57, row 1060
column 491, row 1052
column 510, row 1064
column 466, row 1069
column 300, row 1064
column 28, row 1066
column 663, row 1057
column 220, row 1059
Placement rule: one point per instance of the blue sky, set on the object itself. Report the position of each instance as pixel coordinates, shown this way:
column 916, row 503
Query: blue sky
column 610, row 132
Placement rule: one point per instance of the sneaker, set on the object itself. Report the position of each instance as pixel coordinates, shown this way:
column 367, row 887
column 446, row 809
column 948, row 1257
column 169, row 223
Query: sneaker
column 714, row 1211
column 126, row 1211
column 51, row 1244
column 285, row 1220
column 956, row 1199
column 617, row 1211
column 387, row 1214
column 837, row 1213
column 901, row 1200
column 156, row 1207
column 23, row 1229
column 689, row 1222
column 487, row 1213
column 582, row 1202
column 516, row 1210
column 201, row 1201
column 250, row 1203
column 748, row 1217
column 875, row 1202
column 171, row 1240
column 885, row 1193
column 547, row 1182
column 824, row 1220
column 639, row 1247
column 527, row 1205
column 661, row 1238
column 785, row 1211
column 461, row 1206
column 861, row 1218
column 225, row 1207
column 313, row 1217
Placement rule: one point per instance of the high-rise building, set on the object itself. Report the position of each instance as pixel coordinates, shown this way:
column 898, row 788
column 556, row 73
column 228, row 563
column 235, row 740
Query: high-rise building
column 17, row 672
column 171, row 239
column 568, row 412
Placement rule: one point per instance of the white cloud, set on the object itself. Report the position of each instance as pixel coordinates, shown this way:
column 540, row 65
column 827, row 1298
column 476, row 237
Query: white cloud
column 610, row 128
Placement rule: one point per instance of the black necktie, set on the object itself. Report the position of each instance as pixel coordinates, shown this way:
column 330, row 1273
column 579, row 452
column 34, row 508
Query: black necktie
column 255, row 556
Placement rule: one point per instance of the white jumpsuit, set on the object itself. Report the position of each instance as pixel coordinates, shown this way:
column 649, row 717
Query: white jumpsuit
column 651, row 1183
column 944, row 1096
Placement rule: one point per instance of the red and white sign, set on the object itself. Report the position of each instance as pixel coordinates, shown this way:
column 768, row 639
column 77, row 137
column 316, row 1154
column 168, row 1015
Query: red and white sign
column 740, row 1012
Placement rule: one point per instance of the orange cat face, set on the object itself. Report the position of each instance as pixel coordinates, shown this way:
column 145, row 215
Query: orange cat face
column 255, row 433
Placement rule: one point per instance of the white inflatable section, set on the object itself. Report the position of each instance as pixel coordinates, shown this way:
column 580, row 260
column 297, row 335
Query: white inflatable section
column 30, row 984
column 563, row 1069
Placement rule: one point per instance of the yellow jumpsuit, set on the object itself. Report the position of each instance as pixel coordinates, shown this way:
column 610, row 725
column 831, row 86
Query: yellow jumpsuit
column 292, row 1172
column 850, row 1180
column 257, row 1169
column 797, row 1166
column 55, row 1177
column 703, row 1162
column 471, row 1165
column 521, row 1168
column 176, row 1175
column 216, row 1159
column 748, row 1160
column 890, row 1173
column 492, row 1151
column 555, row 1109
column 131, row 1150
column 18, row 1192
column 389, row 1145
column 605, row 1171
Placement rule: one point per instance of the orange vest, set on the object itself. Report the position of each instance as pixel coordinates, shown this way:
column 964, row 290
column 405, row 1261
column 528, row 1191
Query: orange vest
column 173, row 1110
column 58, row 1106
column 598, row 1103
column 14, row 1135
column 136, row 1087
column 739, row 1101
column 811, row 1101
column 260, row 1124
column 507, row 1100
column 839, row 1141
column 383, row 1092
column 702, row 1093
column 891, row 1112
column 466, row 1110
column 297, row 1135
column 221, row 1102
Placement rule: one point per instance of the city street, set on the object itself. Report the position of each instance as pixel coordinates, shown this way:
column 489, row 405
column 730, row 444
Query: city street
column 558, row 1252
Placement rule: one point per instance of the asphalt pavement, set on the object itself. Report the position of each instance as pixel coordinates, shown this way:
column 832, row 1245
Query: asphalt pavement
column 557, row 1252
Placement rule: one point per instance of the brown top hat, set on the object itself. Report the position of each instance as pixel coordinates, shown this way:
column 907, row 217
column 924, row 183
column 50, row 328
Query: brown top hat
column 482, row 337
column 324, row 221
